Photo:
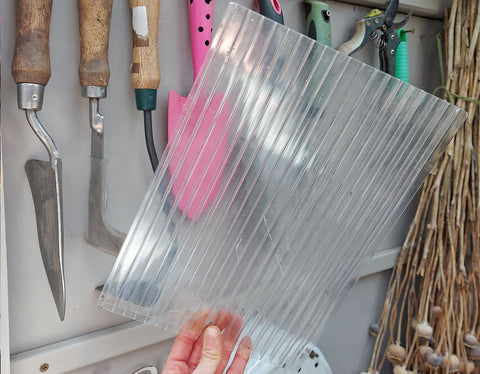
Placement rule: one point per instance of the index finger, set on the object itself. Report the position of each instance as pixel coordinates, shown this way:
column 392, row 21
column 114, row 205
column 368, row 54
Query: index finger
column 186, row 338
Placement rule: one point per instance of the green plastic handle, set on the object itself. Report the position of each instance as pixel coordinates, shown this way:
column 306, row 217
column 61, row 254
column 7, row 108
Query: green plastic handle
column 401, row 58
column 319, row 28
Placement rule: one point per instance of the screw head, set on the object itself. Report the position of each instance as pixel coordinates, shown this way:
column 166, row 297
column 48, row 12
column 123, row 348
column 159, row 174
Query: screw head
column 44, row 367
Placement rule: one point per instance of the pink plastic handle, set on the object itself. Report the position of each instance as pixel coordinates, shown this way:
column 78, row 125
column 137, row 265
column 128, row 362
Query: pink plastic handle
column 200, row 19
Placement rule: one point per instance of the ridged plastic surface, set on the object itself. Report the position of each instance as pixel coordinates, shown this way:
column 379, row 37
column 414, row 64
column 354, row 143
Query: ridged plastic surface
column 319, row 155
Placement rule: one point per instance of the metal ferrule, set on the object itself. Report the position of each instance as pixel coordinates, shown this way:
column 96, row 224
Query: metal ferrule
column 30, row 96
column 94, row 92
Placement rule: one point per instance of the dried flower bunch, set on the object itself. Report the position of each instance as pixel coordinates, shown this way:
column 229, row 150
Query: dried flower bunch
column 430, row 322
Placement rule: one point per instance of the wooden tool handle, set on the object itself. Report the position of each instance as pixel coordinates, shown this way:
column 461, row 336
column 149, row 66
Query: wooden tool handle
column 145, row 66
column 31, row 59
column 94, row 18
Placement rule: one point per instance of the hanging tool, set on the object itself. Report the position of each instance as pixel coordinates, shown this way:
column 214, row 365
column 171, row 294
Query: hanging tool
column 271, row 9
column 318, row 21
column 200, row 19
column 31, row 71
column 145, row 65
column 197, row 181
column 379, row 28
column 94, row 73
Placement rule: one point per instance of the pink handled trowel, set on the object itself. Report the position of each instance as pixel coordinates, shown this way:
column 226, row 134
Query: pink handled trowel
column 196, row 163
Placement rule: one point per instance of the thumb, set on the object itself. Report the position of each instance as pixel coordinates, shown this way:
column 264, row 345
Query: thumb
column 211, row 351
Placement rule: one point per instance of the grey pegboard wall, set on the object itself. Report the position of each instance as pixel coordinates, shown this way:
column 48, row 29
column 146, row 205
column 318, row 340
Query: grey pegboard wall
column 89, row 338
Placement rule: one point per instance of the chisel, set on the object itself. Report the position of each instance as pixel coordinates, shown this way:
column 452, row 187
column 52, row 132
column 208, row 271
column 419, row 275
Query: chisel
column 145, row 68
column 31, row 71
column 94, row 73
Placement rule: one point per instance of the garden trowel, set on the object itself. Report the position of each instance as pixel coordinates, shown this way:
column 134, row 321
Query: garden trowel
column 94, row 20
column 31, row 71
column 196, row 182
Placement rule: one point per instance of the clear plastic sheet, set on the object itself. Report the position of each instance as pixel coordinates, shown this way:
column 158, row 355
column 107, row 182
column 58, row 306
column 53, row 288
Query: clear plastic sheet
column 290, row 161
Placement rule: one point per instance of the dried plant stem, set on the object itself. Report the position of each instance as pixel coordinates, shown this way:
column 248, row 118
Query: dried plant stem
column 434, row 292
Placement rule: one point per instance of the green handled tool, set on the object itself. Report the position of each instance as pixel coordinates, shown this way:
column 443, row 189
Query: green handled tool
column 318, row 21
column 145, row 64
column 401, row 61
column 380, row 28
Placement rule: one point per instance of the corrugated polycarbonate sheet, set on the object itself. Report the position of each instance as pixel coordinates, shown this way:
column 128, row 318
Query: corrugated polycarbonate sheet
column 290, row 162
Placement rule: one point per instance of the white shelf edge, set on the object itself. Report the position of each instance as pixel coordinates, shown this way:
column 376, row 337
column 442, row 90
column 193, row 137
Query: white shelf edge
column 424, row 8
column 88, row 349
column 381, row 261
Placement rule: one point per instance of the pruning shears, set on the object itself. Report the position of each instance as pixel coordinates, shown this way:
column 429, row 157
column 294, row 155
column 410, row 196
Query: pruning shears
column 380, row 28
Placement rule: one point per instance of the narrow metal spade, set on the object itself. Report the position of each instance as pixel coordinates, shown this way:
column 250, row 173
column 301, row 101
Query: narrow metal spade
column 94, row 73
column 31, row 70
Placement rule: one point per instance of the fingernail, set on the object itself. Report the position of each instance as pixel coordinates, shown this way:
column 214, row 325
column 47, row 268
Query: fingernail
column 211, row 337
column 212, row 346
column 245, row 347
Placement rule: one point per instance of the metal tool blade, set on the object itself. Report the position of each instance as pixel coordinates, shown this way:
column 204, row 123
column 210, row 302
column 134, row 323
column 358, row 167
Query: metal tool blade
column 45, row 183
column 45, row 180
column 99, row 233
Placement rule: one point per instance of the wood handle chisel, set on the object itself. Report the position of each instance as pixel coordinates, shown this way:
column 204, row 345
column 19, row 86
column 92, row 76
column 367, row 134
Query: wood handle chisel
column 94, row 73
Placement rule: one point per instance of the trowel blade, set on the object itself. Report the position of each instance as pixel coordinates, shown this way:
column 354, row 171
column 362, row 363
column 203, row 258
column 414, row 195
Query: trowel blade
column 45, row 184
column 99, row 233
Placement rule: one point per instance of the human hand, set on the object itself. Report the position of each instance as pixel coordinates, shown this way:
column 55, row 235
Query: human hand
column 206, row 350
